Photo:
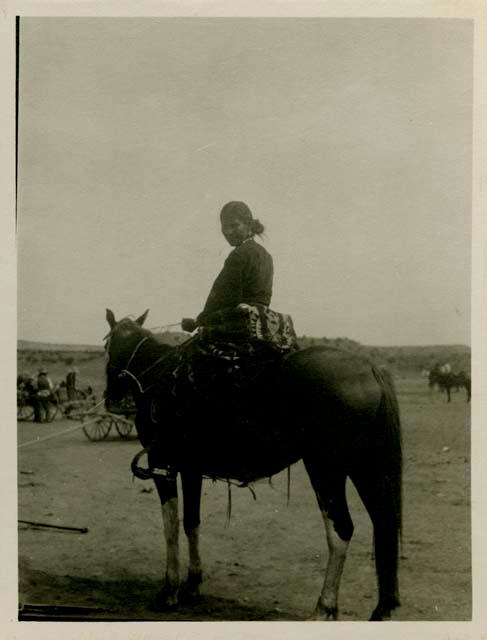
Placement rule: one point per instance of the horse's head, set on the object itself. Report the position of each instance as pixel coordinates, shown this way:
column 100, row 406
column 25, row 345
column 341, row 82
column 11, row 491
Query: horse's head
column 122, row 341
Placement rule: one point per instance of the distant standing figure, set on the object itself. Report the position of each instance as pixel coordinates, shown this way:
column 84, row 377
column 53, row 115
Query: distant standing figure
column 43, row 395
column 71, row 383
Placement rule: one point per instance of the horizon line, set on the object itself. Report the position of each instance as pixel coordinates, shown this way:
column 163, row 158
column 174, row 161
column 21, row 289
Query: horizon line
column 307, row 337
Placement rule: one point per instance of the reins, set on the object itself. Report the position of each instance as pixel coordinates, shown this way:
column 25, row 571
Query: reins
column 166, row 326
column 126, row 370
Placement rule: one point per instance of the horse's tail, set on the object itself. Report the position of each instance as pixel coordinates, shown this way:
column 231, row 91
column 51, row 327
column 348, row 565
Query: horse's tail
column 387, row 510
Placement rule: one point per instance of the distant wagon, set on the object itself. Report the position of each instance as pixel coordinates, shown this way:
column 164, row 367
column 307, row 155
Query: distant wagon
column 98, row 425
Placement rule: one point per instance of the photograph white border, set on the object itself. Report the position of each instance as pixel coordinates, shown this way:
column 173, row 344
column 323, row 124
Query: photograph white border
column 10, row 628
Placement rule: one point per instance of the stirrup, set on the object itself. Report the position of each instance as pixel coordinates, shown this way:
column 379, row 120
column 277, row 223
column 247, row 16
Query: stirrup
column 150, row 473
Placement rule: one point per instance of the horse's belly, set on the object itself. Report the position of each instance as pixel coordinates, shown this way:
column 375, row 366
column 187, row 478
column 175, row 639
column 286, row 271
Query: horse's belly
column 244, row 449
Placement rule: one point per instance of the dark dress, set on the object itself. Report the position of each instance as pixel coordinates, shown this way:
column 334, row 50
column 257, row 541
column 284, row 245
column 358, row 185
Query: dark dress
column 246, row 277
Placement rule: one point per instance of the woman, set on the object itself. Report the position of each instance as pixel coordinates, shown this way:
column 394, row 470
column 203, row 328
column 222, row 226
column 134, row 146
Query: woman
column 246, row 277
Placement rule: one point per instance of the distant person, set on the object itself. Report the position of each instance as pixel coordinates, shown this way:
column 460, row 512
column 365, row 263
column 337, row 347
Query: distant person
column 26, row 388
column 30, row 386
column 71, row 383
column 44, row 394
column 26, row 383
column 435, row 369
column 446, row 368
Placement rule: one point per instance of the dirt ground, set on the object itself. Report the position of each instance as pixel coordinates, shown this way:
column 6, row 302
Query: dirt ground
column 267, row 562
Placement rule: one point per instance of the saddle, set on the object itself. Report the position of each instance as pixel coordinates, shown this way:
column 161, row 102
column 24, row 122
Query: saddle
column 221, row 391
column 233, row 349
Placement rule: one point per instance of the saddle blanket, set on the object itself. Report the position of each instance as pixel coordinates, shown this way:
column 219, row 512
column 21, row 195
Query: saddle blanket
column 255, row 322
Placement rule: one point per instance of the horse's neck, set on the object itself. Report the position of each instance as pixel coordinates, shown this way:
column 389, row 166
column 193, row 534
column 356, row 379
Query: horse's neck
column 150, row 353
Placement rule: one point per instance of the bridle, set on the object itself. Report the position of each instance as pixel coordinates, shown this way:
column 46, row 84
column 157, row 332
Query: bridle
column 126, row 371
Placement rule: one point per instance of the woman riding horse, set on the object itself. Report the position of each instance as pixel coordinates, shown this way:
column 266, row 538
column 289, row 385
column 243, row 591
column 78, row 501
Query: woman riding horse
column 332, row 409
column 237, row 332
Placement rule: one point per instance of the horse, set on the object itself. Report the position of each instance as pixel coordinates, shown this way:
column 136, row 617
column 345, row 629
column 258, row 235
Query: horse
column 465, row 380
column 449, row 380
column 330, row 408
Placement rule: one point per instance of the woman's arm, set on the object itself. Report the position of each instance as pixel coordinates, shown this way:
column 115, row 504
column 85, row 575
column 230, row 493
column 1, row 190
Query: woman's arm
column 227, row 290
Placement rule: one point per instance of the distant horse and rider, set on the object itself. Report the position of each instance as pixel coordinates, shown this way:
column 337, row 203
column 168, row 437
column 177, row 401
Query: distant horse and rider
column 446, row 380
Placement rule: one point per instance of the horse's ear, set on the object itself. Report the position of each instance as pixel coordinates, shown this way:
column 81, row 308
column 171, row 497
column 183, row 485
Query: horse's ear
column 142, row 318
column 111, row 318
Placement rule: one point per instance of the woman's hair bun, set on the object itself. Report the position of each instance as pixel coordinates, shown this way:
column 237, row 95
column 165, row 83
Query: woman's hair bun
column 256, row 227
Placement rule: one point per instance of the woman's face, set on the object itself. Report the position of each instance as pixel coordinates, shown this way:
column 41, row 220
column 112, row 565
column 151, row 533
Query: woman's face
column 235, row 230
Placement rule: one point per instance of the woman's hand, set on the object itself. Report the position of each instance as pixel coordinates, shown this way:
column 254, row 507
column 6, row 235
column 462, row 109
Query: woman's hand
column 243, row 307
column 188, row 324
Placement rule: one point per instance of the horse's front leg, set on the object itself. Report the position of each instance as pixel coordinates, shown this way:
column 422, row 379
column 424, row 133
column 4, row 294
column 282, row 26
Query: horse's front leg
column 191, row 484
column 168, row 495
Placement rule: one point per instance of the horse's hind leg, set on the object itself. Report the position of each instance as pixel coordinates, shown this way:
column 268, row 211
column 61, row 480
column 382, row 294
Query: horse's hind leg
column 168, row 495
column 191, row 484
column 329, row 486
column 380, row 502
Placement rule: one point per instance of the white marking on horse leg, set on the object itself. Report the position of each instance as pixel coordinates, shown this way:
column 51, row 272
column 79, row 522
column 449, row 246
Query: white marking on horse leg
column 191, row 588
column 194, row 551
column 170, row 517
column 327, row 607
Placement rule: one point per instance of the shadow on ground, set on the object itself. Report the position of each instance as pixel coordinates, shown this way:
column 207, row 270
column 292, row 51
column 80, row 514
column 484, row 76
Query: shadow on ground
column 123, row 600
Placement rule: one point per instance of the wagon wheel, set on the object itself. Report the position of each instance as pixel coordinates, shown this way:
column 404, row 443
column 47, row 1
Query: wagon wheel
column 99, row 429
column 25, row 412
column 123, row 427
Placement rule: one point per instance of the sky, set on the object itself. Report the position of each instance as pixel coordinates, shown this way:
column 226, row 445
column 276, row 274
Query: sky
column 350, row 139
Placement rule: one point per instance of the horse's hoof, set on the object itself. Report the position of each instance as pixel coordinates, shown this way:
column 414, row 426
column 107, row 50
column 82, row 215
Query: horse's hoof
column 190, row 590
column 165, row 600
column 159, row 605
column 324, row 613
column 380, row 615
column 187, row 595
